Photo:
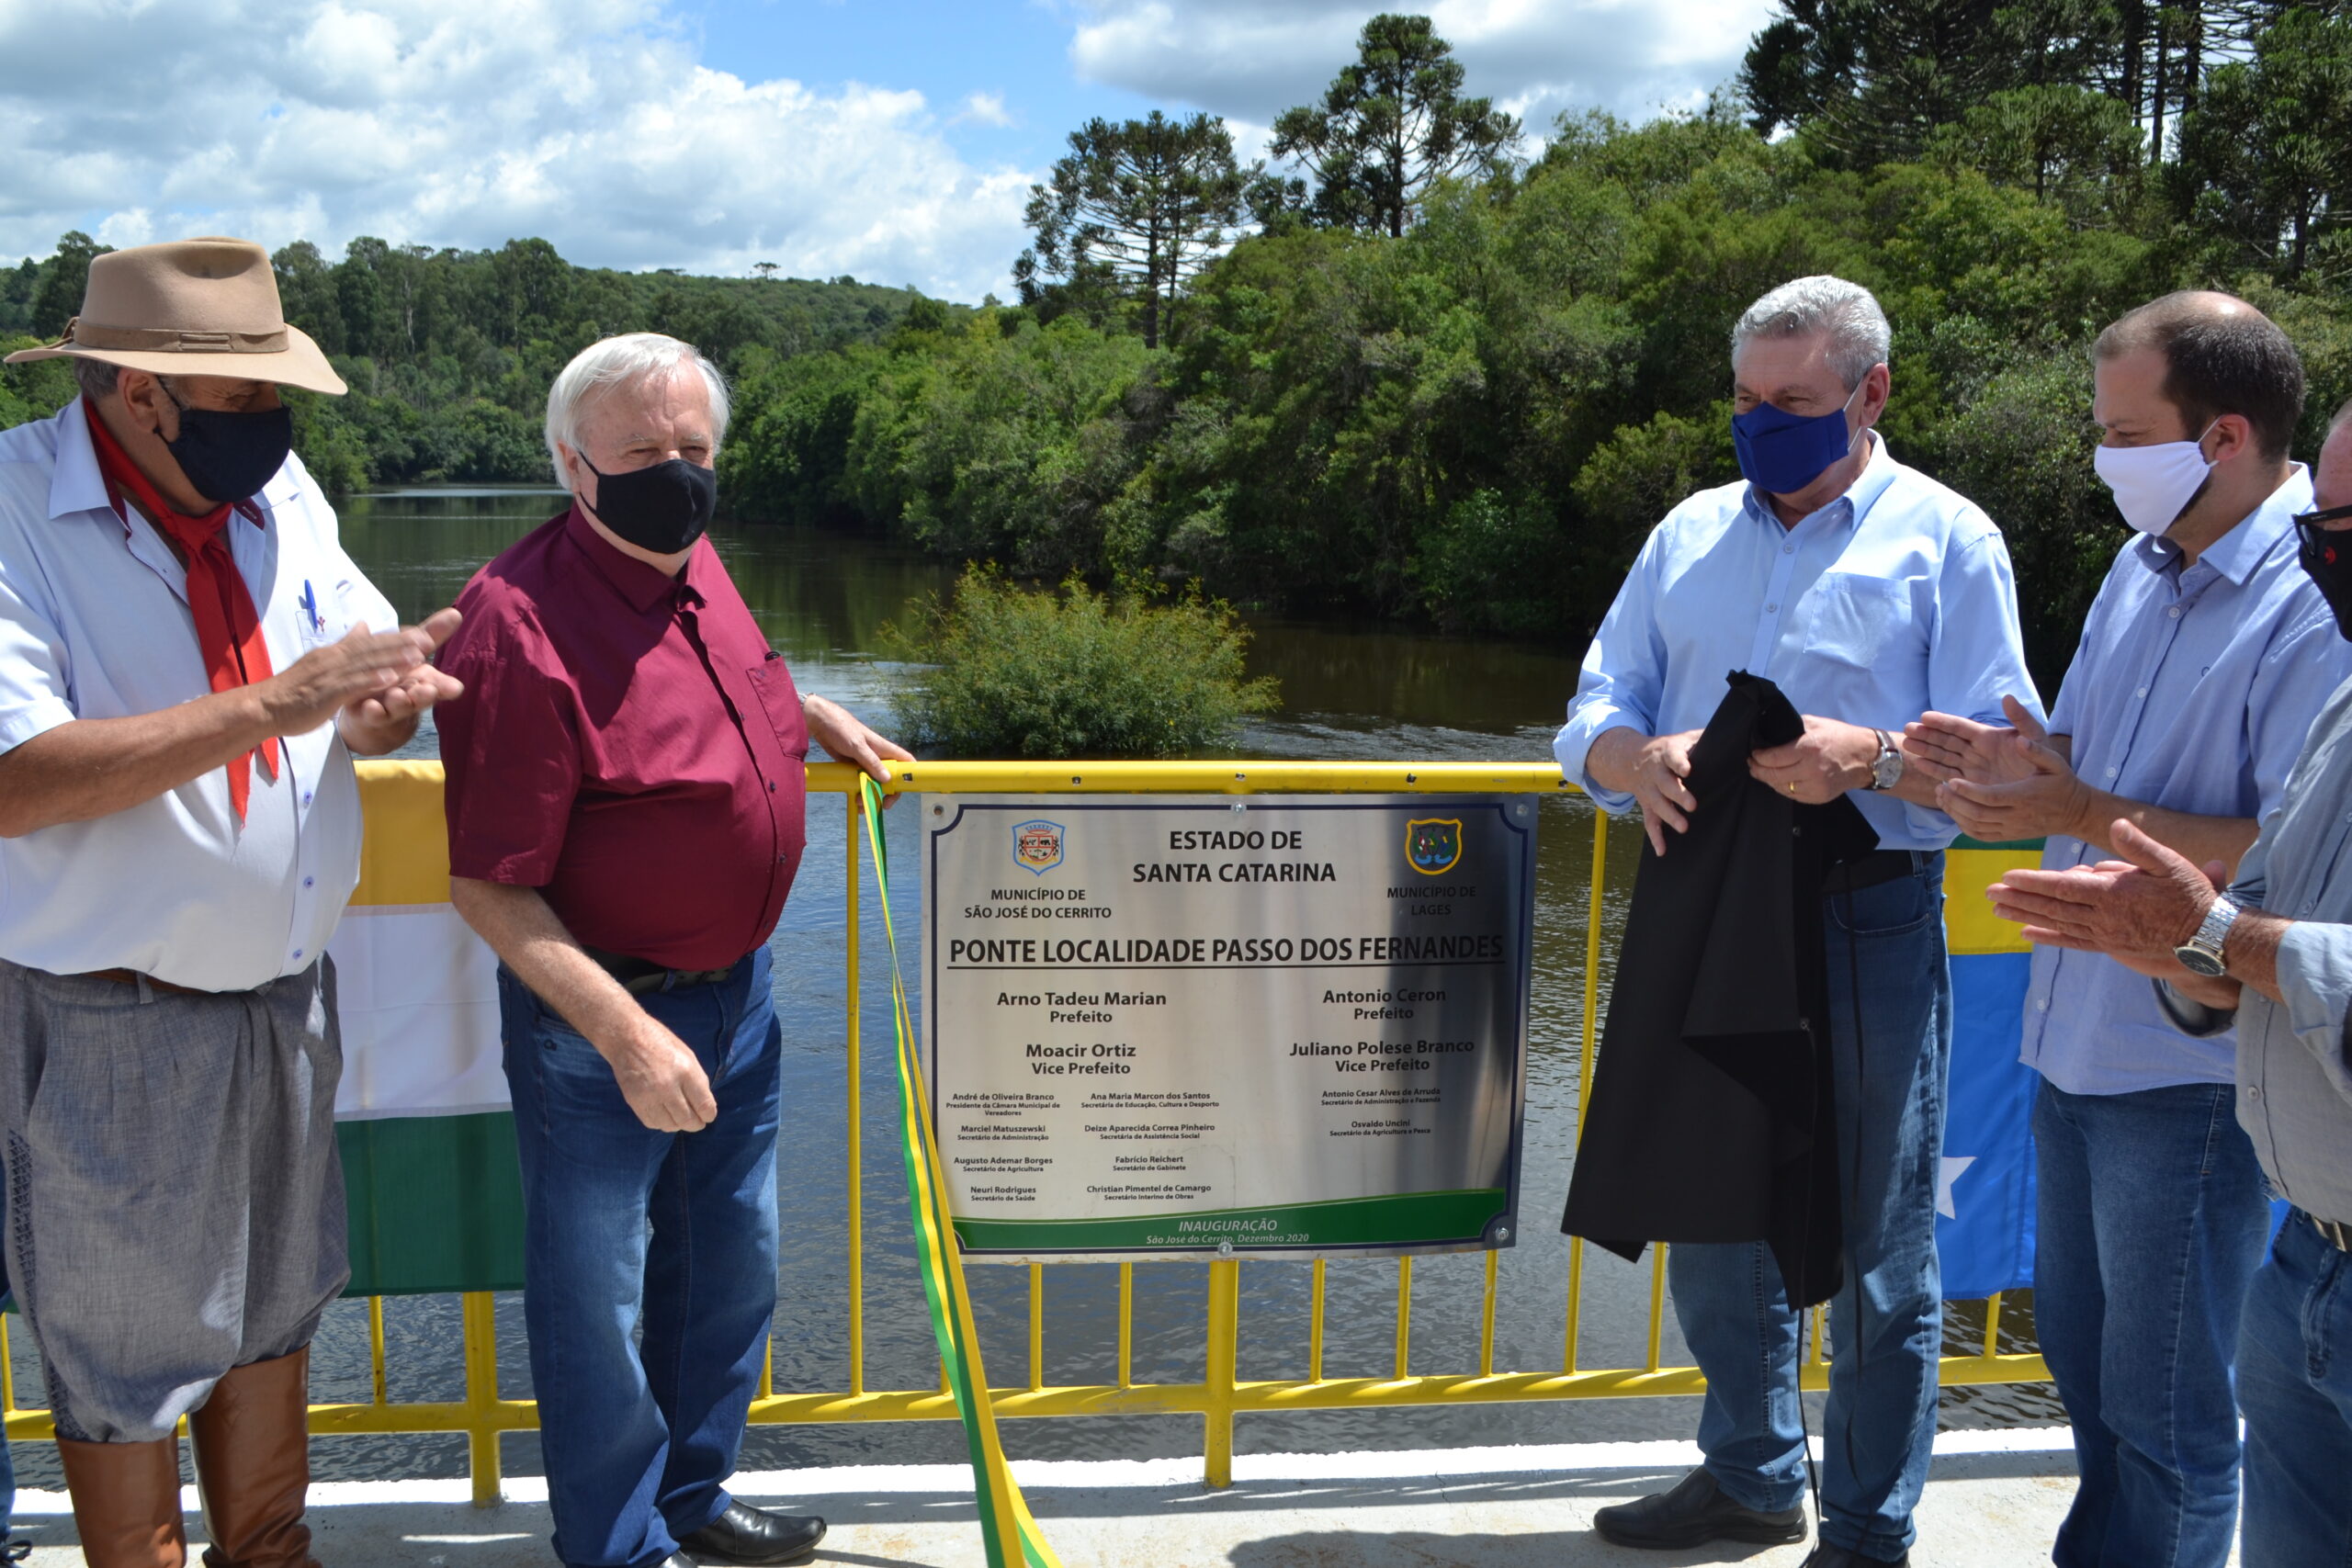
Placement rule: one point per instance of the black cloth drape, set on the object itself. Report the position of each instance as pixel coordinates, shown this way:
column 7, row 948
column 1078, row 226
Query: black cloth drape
column 1709, row 1118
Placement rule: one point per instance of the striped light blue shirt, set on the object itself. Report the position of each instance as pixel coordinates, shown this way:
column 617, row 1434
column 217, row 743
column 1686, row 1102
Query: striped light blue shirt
column 1894, row 599
column 2192, row 690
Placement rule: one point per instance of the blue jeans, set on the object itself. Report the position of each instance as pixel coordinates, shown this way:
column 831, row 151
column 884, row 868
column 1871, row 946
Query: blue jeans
column 624, row 1223
column 2295, row 1385
column 1885, row 947
column 2149, row 1221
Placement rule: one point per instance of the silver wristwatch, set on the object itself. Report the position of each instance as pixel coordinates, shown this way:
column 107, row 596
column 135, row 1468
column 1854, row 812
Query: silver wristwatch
column 2201, row 953
column 1886, row 767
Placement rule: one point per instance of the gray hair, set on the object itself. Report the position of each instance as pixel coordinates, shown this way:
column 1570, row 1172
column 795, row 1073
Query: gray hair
column 615, row 361
column 1846, row 312
column 101, row 378
column 96, row 378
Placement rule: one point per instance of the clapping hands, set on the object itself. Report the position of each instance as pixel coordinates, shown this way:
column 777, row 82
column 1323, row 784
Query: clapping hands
column 1999, row 783
column 2137, row 908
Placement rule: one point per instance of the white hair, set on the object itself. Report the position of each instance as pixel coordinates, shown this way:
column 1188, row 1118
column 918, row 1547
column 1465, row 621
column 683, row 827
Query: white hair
column 616, row 361
column 1847, row 312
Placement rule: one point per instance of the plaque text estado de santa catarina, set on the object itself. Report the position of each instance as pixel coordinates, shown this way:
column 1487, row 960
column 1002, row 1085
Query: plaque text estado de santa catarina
column 1181, row 1024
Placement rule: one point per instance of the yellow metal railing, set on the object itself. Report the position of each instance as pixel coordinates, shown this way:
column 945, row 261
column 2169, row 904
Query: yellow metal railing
column 483, row 1414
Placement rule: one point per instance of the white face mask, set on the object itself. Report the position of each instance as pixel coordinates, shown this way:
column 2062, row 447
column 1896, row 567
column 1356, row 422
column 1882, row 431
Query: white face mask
column 2153, row 485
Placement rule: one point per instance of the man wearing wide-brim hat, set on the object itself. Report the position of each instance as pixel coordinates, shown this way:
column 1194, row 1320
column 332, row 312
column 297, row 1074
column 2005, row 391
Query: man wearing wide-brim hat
column 188, row 661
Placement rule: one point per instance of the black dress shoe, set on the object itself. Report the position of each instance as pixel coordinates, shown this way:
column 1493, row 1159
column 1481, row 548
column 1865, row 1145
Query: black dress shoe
column 745, row 1534
column 1695, row 1512
column 679, row 1560
column 1829, row 1556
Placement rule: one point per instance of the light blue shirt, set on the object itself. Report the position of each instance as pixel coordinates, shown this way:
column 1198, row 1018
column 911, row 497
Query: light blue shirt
column 2294, row 1076
column 1896, row 598
column 2192, row 690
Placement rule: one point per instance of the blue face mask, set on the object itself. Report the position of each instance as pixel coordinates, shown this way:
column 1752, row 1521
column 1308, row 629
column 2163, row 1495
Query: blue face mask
column 1781, row 452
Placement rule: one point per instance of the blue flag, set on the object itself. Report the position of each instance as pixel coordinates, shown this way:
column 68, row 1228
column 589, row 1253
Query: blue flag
column 1984, row 1182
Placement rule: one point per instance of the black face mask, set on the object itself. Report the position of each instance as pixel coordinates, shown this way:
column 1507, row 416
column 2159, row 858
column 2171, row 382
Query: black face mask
column 663, row 507
column 2327, row 556
column 228, row 457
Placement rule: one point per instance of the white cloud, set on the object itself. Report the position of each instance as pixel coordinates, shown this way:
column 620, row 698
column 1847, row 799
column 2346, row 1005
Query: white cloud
column 447, row 123
column 986, row 108
column 1249, row 59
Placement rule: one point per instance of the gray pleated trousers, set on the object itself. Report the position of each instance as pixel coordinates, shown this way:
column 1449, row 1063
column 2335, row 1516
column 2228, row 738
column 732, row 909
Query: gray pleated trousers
column 174, row 1200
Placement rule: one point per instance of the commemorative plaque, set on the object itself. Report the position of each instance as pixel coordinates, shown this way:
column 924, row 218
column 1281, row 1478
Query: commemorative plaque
column 1287, row 1024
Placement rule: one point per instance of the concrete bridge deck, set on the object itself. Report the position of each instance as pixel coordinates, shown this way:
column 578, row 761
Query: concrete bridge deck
column 1995, row 1498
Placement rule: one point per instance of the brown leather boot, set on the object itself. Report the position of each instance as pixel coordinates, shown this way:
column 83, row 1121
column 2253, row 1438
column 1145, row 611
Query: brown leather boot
column 253, row 1465
column 127, row 1502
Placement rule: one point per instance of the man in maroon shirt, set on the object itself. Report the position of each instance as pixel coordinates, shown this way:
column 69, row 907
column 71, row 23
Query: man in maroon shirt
column 624, row 802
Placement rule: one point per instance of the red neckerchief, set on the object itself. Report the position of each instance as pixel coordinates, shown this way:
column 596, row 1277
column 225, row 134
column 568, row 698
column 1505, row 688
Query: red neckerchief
column 227, row 631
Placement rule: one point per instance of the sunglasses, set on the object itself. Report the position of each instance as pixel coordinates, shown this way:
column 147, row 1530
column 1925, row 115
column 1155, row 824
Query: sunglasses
column 2320, row 529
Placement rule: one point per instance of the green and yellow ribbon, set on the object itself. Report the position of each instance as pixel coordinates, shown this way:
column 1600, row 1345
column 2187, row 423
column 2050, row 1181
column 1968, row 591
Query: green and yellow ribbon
column 1006, row 1527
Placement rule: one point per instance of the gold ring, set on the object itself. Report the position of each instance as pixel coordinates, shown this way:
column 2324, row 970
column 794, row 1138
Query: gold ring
column 1792, row 786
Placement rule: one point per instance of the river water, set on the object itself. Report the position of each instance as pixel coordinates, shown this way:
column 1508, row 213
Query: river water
column 1349, row 692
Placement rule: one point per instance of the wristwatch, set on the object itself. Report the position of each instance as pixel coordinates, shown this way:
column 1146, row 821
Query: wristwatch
column 2201, row 953
column 1887, row 766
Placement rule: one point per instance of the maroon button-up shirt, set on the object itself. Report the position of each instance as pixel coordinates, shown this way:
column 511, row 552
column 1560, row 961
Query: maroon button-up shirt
column 628, row 744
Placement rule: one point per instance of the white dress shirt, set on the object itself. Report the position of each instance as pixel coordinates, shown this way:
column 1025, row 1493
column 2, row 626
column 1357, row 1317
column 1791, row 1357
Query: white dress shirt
column 95, row 624
column 1896, row 598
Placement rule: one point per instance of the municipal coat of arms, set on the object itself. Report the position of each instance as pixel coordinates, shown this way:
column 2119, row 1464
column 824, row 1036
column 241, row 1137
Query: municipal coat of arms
column 1433, row 844
column 1038, row 846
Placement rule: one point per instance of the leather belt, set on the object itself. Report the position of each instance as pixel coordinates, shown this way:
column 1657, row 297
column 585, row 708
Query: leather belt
column 2334, row 1232
column 639, row 975
column 1878, row 865
column 133, row 977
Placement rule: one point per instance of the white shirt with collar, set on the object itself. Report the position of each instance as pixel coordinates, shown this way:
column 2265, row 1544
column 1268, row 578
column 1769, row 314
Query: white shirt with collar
column 95, row 624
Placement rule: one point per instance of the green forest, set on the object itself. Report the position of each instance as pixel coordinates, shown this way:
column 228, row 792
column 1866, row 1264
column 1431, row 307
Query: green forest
column 1425, row 364
column 449, row 353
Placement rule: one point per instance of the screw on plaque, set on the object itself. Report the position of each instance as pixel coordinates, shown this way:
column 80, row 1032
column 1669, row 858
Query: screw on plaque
column 1240, row 805
column 939, row 811
column 1224, row 1249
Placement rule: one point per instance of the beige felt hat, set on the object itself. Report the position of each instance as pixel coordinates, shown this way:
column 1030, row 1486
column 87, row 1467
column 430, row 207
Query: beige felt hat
column 204, row 306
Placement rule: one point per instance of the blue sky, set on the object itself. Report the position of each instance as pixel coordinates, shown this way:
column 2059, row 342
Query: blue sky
column 1013, row 56
column 894, row 140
